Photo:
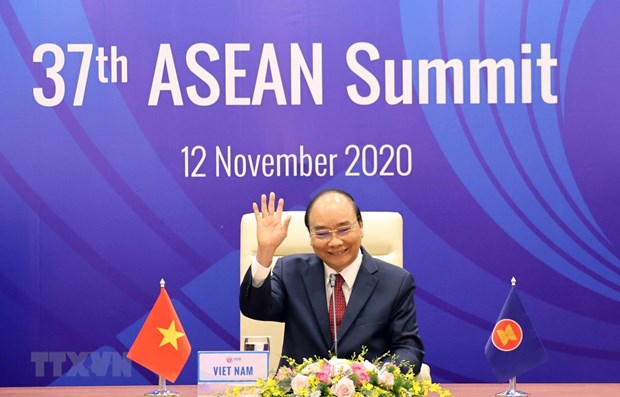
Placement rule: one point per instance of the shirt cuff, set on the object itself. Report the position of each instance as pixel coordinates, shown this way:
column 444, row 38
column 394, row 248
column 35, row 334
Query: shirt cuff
column 259, row 273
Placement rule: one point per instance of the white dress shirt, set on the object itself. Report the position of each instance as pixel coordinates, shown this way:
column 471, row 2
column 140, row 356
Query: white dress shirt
column 349, row 273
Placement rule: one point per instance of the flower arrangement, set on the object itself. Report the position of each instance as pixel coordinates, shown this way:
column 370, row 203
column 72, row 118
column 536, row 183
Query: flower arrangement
column 338, row 377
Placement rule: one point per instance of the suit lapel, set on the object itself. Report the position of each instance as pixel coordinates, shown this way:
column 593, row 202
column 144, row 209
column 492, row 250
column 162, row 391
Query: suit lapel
column 314, row 281
column 365, row 284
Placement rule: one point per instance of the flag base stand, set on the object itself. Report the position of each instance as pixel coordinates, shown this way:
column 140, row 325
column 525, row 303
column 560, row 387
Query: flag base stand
column 512, row 390
column 162, row 391
column 512, row 393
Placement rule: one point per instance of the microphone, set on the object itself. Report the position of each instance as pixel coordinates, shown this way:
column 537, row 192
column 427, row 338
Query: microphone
column 332, row 283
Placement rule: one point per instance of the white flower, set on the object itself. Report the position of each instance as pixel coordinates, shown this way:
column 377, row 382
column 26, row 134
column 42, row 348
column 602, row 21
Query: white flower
column 299, row 382
column 339, row 366
column 368, row 366
column 386, row 378
column 344, row 388
column 316, row 393
column 311, row 369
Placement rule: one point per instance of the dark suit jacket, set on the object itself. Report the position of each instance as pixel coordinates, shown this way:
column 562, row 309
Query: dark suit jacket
column 380, row 313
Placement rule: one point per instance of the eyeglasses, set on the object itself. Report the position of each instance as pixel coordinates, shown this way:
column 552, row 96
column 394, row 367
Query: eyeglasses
column 338, row 232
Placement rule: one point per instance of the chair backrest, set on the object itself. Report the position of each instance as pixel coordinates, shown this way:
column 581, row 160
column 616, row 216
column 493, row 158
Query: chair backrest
column 383, row 239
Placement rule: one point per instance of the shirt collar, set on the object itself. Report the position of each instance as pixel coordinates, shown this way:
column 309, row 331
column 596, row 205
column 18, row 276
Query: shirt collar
column 349, row 273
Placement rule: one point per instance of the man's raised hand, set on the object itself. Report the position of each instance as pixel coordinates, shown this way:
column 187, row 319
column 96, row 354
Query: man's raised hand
column 271, row 229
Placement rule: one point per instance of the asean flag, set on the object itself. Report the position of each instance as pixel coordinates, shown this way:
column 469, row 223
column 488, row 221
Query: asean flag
column 514, row 346
column 161, row 345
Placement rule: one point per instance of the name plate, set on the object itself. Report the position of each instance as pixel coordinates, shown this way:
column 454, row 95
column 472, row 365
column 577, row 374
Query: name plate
column 232, row 366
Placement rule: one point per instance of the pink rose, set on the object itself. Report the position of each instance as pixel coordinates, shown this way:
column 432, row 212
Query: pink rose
column 283, row 372
column 362, row 378
column 344, row 388
column 357, row 367
column 386, row 378
column 359, row 372
column 324, row 375
column 388, row 365
column 299, row 382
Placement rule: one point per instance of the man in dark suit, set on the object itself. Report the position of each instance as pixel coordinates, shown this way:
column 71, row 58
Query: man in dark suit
column 380, row 313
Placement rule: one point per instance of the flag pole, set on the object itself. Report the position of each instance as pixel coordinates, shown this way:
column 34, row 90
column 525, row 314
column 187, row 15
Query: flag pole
column 512, row 390
column 162, row 391
column 512, row 383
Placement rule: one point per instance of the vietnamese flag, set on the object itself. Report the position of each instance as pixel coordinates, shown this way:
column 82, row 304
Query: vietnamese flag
column 161, row 345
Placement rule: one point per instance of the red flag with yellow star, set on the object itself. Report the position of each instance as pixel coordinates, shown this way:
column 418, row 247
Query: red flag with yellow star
column 161, row 345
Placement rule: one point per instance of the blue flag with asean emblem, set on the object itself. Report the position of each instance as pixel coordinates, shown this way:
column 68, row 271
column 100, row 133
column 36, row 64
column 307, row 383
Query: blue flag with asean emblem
column 514, row 346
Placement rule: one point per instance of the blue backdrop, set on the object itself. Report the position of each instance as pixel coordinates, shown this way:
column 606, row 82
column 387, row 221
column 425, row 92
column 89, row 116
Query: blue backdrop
column 491, row 126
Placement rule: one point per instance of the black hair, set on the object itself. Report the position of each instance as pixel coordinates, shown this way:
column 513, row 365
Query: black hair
column 358, row 214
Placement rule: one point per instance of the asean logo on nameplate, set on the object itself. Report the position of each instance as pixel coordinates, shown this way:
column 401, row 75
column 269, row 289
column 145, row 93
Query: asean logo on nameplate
column 161, row 345
column 507, row 335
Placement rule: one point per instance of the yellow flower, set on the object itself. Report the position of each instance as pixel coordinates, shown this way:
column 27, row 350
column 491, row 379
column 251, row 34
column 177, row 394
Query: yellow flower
column 314, row 381
column 433, row 387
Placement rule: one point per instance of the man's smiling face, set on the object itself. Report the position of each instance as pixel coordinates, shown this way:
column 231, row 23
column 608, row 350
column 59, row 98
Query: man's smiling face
column 336, row 235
